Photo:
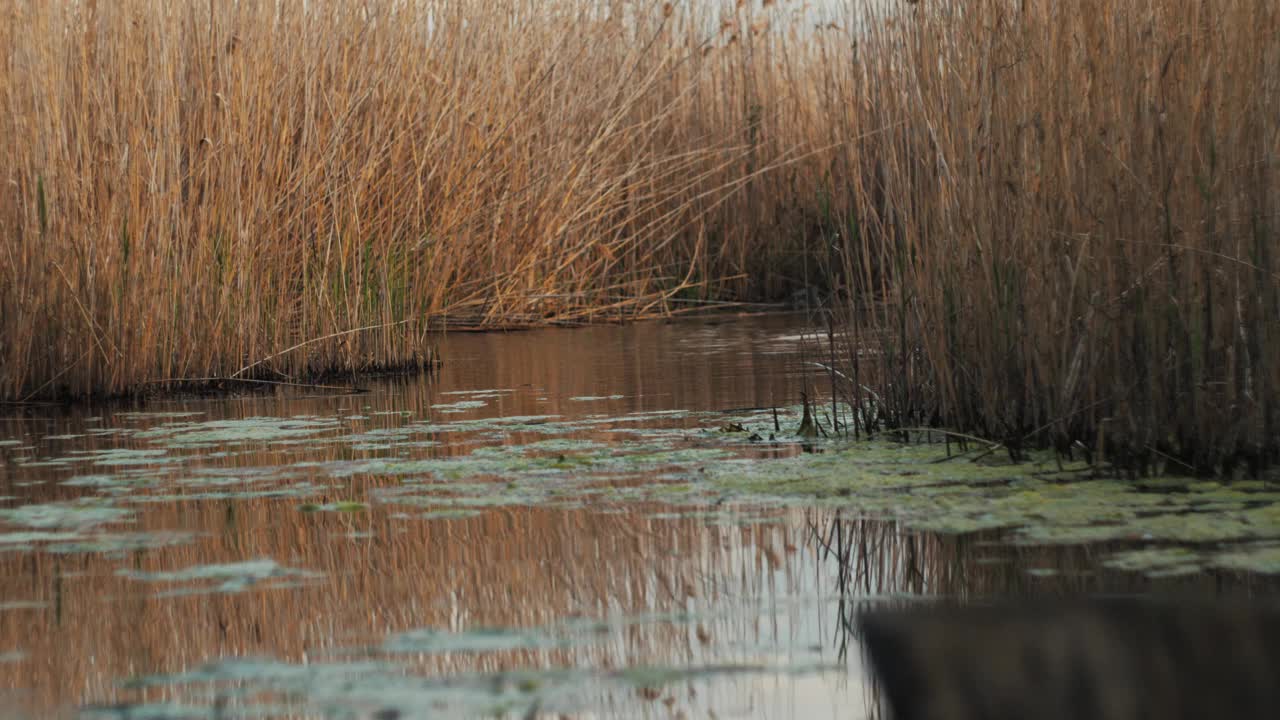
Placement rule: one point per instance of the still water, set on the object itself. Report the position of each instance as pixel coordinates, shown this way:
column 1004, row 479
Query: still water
column 546, row 527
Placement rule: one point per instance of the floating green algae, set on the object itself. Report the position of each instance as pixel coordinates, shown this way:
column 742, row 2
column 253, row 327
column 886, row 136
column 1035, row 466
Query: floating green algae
column 107, row 481
column 506, row 422
column 564, row 445
column 221, row 481
column 180, row 711
column 381, row 687
column 286, row 491
column 1038, row 502
column 695, row 462
column 1158, row 561
column 1172, row 561
column 432, row 641
column 121, row 543
column 496, row 392
column 224, row 577
column 105, row 432
column 243, row 430
column 118, row 457
column 33, row 463
column 75, row 515
column 475, row 496
column 362, row 689
column 344, row 507
column 1260, row 559
column 459, row 406
column 156, row 415
column 449, row 514
column 556, row 459
column 26, row 539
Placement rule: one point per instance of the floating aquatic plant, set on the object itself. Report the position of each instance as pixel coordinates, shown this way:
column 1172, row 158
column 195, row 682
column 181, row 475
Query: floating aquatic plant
column 224, row 577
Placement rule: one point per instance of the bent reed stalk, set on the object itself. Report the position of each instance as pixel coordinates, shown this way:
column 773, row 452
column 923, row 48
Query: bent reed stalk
column 1063, row 217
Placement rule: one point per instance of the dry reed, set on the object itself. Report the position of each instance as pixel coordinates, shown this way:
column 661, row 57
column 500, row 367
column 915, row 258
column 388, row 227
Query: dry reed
column 1066, row 215
column 1071, row 220
column 192, row 187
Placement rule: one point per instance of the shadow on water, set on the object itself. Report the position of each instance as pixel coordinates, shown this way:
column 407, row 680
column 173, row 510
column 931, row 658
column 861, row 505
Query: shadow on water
column 562, row 522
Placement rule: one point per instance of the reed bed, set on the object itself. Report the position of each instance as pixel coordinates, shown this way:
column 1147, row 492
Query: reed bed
column 1062, row 218
column 1070, row 218
column 192, row 188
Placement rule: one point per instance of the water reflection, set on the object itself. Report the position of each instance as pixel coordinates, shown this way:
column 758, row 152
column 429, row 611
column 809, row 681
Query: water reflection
column 147, row 553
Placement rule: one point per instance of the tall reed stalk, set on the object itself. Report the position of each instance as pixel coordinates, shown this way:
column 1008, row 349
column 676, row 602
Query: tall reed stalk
column 1073, row 211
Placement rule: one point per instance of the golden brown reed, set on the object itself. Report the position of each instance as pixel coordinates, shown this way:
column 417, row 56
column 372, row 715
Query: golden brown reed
column 1071, row 215
column 190, row 188
column 1066, row 213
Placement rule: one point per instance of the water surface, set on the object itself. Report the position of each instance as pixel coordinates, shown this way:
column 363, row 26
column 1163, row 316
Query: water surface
column 608, row 521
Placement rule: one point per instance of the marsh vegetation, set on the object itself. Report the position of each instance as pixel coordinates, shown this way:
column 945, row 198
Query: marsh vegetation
column 1037, row 241
column 1062, row 218
column 1070, row 219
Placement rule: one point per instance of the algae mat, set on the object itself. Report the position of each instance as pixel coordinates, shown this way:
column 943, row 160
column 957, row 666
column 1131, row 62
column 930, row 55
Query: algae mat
column 708, row 462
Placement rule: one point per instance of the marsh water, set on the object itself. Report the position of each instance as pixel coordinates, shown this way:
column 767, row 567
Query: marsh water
column 595, row 522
